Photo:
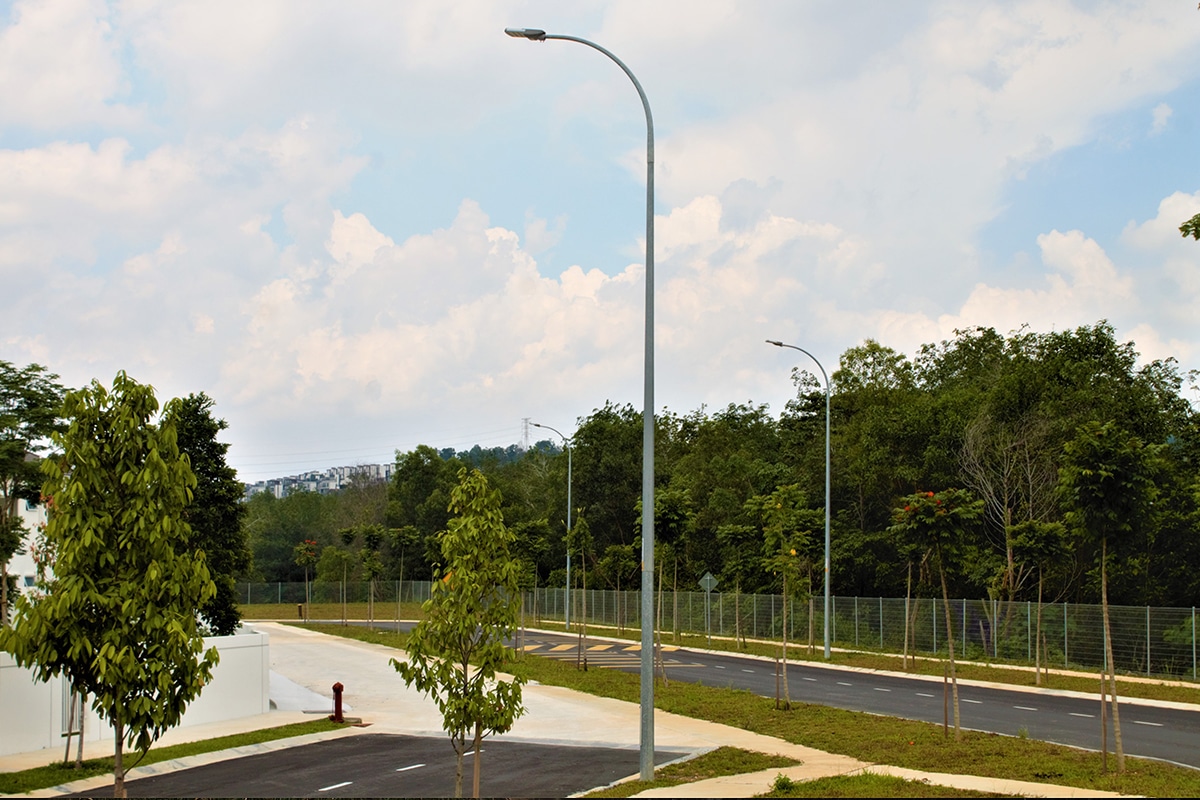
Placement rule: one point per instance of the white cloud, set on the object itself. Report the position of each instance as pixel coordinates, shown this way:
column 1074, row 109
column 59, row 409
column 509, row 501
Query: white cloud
column 60, row 67
column 1161, row 115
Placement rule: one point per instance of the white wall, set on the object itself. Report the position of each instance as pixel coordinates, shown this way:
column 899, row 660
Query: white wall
column 33, row 714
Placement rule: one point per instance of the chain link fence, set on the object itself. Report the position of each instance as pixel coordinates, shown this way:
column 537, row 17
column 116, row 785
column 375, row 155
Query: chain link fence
column 1146, row 640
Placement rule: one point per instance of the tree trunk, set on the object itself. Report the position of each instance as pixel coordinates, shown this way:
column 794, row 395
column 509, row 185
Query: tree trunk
column 478, row 756
column 810, row 622
column 460, row 744
column 737, row 615
column 907, row 600
column 1037, row 637
column 1112, row 668
column 118, row 761
column 787, row 698
column 950, row 644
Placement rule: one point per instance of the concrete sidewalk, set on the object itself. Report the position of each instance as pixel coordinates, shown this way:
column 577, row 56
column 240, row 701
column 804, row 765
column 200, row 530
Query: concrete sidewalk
column 310, row 663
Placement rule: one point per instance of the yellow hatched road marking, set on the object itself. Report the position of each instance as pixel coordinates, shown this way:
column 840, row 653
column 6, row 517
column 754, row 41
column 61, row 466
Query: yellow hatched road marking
column 558, row 648
column 599, row 648
column 633, row 648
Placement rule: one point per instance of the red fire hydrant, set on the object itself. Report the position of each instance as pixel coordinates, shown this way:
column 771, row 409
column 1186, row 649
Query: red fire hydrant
column 337, row 702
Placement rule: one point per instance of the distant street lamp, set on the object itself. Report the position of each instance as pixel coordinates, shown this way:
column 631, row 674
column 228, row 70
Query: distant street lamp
column 567, row 445
column 646, row 754
column 826, row 377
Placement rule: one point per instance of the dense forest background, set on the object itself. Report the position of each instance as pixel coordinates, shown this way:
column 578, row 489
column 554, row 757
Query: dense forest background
column 983, row 412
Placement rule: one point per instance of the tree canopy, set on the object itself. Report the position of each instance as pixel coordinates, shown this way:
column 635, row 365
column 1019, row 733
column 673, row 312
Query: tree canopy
column 118, row 617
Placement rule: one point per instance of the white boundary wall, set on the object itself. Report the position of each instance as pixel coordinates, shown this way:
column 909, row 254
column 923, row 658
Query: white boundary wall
column 33, row 714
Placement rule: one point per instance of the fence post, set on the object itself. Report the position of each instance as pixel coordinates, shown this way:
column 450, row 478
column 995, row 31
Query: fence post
column 880, row 623
column 856, row 620
column 934, row 606
column 964, row 645
column 1147, row 640
column 1028, row 633
column 1066, row 660
column 755, row 615
column 833, row 622
column 279, row 591
column 1193, row 643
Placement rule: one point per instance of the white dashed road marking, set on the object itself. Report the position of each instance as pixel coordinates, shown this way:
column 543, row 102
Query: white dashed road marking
column 923, row 694
column 843, row 683
column 335, row 786
column 747, row 670
column 1151, row 724
column 1085, row 716
column 881, row 690
column 1024, row 708
column 976, row 702
column 410, row 766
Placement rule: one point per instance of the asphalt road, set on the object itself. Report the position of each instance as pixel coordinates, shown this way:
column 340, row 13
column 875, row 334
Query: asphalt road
column 1161, row 733
column 389, row 765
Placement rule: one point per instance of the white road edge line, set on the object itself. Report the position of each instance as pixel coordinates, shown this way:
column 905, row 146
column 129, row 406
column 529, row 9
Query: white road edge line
column 1152, row 724
column 335, row 786
column 410, row 766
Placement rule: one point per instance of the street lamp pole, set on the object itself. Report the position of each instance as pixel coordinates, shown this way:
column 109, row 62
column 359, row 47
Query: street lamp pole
column 826, row 377
column 647, row 661
column 566, row 444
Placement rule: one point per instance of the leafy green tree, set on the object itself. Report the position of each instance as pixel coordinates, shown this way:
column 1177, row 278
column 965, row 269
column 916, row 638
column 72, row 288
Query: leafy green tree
column 938, row 522
column 455, row 652
column 118, row 618
column 1108, row 485
column 274, row 526
column 216, row 512
column 30, row 400
column 1191, row 228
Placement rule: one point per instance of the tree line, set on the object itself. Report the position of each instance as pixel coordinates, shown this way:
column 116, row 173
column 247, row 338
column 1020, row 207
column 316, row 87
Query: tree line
column 993, row 416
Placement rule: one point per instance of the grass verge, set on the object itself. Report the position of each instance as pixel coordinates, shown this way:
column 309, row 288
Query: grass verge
column 926, row 665
column 870, row 738
column 867, row 786
column 56, row 774
column 722, row 761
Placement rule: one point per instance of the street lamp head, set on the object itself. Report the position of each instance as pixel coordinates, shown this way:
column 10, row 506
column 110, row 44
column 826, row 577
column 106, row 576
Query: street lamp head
column 532, row 34
column 772, row 341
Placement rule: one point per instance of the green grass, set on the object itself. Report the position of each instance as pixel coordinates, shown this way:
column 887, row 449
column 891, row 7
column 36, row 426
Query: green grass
column 868, row 786
column 995, row 673
column 722, row 761
column 870, row 738
column 57, row 774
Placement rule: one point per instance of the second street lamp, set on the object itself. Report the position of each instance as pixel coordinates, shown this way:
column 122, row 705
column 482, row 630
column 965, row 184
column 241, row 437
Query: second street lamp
column 646, row 753
column 566, row 444
column 827, row 573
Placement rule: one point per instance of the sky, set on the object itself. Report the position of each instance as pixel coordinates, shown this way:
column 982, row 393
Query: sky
column 364, row 226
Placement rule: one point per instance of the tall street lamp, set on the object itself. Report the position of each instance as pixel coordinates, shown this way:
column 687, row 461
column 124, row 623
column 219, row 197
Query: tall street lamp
column 567, row 445
column 647, row 663
column 826, row 377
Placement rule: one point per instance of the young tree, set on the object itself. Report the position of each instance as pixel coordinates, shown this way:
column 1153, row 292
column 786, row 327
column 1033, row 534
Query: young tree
column 1107, row 487
column 1039, row 545
column 474, row 605
column 216, row 512
column 305, row 555
column 938, row 522
column 30, row 399
column 787, row 527
column 118, row 616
